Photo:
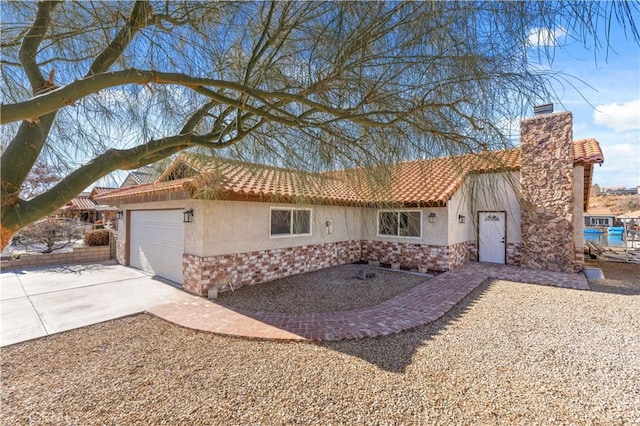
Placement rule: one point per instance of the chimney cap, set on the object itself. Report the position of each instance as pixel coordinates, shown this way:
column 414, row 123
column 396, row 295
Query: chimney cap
column 543, row 109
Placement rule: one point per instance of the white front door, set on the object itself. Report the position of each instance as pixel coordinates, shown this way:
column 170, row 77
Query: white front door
column 157, row 242
column 491, row 234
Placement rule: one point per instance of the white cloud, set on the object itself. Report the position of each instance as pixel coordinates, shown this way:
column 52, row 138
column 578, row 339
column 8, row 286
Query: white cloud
column 541, row 37
column 619, row 166
column 619, row 117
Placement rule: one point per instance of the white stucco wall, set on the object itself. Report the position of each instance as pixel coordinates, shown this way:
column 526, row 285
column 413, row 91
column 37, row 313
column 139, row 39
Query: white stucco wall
column 578, row 206
column 460, row 205
column 432, row 233
column 485, row 192
column 227, row 227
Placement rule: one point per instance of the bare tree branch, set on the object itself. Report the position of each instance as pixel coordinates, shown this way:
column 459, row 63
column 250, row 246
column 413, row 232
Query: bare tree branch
column 31, row 42
column 137, row 20
column 302, row 84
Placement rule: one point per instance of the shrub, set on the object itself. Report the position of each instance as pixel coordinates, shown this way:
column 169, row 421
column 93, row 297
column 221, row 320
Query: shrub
column 96, row 237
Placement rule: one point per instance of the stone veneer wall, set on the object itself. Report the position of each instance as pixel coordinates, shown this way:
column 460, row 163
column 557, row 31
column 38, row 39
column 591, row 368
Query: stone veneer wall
column 237, row 270
column 546, row 178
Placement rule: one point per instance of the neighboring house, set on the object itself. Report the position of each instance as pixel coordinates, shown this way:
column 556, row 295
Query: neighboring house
column 630, row 219
column 104, row 213
column 223, row 224
column 146, row 174
column 620, row 190
column 599, row 217
column 81, row 208
column 85, row 209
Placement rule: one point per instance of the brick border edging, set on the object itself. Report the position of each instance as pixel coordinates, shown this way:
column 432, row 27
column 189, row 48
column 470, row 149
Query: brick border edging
column 418, row 306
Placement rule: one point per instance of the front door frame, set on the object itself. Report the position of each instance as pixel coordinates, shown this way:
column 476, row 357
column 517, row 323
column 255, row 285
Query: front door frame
column 504, row 213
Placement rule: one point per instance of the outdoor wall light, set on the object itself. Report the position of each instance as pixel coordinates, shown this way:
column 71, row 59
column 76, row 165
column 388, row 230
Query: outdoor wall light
column 119, row 214
column 432, row 217
column 460, row 218
column 187, row 216
column 329, row 226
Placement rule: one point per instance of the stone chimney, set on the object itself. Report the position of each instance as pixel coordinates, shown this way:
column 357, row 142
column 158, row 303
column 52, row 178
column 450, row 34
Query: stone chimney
column 546, row 178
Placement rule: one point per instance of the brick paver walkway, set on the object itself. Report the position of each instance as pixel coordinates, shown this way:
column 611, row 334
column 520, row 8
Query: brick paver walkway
column 421, row 305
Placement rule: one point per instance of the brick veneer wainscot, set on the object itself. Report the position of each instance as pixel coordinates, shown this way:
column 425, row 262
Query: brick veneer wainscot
column 513, row 254
column 121, row 249
column 237, row 270
column 419, row 256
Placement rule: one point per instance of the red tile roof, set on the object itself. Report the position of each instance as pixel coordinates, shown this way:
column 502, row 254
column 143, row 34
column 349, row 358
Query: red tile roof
column 80, row 203
column 98, row 190
column 426, row 182
column 146, row 189
column 265, row 181
column 420, row 182
column 587, row 151
column 145, row 174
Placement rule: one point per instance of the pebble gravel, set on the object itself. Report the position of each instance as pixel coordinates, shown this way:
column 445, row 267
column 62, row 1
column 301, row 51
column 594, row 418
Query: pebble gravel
column 327, row 290
column 507, row 354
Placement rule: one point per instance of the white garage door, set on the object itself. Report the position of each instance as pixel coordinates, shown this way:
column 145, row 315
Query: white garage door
column 157, row 242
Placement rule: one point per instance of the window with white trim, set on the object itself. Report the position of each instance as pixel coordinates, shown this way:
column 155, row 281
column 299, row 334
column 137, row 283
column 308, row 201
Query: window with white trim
column 400, row 223
column 289, row 222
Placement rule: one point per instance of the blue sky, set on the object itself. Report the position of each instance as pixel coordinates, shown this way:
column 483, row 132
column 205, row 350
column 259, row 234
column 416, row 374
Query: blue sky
column 605, row 102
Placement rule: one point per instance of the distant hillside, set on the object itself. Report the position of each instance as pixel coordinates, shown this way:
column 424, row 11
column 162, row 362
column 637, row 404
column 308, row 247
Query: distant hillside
column 619, row 204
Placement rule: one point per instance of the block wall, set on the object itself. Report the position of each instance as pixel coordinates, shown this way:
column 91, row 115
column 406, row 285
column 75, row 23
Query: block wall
column 78, row 255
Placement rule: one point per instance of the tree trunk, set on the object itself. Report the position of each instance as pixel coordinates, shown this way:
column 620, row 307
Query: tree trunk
column 5, row 236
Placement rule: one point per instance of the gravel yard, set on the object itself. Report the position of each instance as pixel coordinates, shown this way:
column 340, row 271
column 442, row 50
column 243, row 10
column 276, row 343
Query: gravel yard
column 507, row 354
column 331, row 289
column 620, row 278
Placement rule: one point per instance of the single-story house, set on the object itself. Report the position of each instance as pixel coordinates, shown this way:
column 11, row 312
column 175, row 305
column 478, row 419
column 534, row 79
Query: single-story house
column 631, row 219
column 222, row 224
column 81, row 208
column 599, row 217
column 145, row 174
column 630, row 215
column 85, row 209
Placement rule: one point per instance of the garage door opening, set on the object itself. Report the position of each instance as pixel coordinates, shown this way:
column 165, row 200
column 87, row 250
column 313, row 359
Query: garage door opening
column 157, row 242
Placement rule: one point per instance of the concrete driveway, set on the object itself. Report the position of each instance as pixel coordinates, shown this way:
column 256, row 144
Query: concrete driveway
column 42, row 301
